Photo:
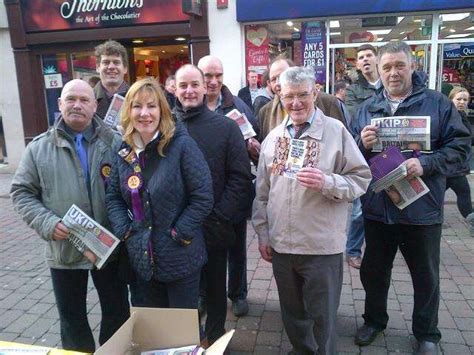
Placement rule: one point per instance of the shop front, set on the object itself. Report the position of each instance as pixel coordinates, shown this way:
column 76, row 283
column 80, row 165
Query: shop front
column 325, row 35
column 53, row 42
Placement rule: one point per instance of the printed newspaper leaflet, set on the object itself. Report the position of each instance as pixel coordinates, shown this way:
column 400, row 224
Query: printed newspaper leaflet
column 112, row 117
column 295, row 157
column 405, row 132
column 402, row 190
column 85, row 233
column 243, row 122
column 185, row 350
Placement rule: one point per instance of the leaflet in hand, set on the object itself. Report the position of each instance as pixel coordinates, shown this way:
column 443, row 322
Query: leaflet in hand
column 243, row 122
column 404, row 132
column 112, row 117
column 290, row 155
column 87, row 234
column 402, row 190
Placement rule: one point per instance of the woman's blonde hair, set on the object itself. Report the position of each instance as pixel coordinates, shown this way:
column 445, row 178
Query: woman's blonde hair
column 456, row 90
column 166, row 126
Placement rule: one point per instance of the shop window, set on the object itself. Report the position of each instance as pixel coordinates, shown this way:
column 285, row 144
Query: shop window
column 84, row 66
column 381, row 29
column 457, row 26
column 159, row 61
column 55, row 72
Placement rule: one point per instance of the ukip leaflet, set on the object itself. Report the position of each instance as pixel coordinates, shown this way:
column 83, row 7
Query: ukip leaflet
column 112, row 117
column 87, row 234
column 290, row 155
column 404, row 132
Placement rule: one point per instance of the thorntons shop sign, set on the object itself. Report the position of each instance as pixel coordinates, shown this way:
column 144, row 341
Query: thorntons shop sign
column 53, row 15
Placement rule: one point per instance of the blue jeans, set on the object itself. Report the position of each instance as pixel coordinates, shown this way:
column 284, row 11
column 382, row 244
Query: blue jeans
column 355, row 230
column 237, row 282
column 70, row 290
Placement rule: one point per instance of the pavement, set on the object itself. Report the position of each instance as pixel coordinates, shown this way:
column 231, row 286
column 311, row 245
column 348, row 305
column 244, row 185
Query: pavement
column 28, row 313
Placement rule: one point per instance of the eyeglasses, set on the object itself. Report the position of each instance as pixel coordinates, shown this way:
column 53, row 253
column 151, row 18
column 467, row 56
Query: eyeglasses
column 287, row 99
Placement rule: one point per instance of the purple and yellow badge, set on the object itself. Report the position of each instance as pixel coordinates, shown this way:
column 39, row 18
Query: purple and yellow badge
column 105, row 171
column 133, row 183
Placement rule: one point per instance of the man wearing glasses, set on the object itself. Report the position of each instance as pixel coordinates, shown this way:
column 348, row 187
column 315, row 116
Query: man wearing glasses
column 297, row 213
column 273, row 113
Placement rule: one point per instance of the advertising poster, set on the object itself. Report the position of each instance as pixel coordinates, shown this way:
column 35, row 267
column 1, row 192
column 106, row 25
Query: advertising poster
column 313, row 46
column 257, row 55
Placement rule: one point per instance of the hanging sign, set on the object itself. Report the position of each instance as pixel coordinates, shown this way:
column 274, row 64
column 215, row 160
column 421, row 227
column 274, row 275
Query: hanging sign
column 313, row 46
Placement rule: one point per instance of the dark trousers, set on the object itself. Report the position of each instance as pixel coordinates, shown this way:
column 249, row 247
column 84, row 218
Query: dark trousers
column 309, row 287
column 237, row 282
column 460, row 186
column 420, row 247
column 70, row 290
column 215, row 273
column 181, row 293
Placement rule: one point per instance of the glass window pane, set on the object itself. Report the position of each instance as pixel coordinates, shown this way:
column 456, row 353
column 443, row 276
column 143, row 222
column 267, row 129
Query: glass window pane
column 381, row 29
column 455, row 26
column 55, row 76
column 84, row 66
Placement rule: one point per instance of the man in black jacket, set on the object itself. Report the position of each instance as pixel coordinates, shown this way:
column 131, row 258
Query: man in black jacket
column 220, row 140
column 250, row 92
column 221, row 100
column 112, row 65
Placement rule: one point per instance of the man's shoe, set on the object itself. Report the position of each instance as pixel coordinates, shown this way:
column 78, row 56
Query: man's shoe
column 240, row 308
column 427, row 348
column 354, row 261
column 366, row 335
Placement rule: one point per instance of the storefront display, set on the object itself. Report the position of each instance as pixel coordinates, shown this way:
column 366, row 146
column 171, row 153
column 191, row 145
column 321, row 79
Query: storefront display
column 54, row 42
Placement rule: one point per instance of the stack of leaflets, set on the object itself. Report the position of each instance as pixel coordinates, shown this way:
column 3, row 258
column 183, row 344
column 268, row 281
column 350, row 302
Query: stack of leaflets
column 243, row 122
column 390, row 175
column 86, row 234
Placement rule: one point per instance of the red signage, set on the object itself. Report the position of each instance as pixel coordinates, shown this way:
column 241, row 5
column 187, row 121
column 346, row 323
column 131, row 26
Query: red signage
column 256, row 48
column 54, row 15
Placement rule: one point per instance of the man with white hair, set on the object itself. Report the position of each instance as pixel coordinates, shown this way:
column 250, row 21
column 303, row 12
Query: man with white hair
column 298, row 220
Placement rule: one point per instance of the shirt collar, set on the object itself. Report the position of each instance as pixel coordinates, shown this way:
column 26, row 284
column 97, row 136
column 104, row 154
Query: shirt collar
column 88, row 133
column 396, row 101
column 138, row 142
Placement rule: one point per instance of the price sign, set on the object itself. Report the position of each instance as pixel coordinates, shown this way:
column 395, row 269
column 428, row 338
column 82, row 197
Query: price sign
column 313, row 46
column 53, row 81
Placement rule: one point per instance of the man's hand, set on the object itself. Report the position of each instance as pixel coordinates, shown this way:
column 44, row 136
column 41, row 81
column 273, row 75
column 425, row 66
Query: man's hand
column 369, row 136
column 253, row 148
column 414, row 167
column 60, row 232
column 311, row 178
column 90, row 255
column 265, row 252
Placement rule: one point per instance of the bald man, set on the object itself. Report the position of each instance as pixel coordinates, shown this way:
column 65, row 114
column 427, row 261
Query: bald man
column 61, row 167
column 221, row 100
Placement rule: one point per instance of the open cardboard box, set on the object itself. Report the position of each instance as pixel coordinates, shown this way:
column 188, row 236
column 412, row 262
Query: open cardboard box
column 160, row 328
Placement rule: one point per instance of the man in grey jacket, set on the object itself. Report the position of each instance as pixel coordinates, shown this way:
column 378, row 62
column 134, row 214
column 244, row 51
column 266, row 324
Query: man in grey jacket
column 68, row 165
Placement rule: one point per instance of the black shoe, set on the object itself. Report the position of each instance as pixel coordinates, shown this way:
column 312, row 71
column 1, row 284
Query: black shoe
column 366, row 335
column 202, row 306
column 240, row 308
column 427, row 348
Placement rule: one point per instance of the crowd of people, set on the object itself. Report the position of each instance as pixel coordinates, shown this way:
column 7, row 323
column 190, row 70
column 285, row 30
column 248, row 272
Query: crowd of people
column 176, row 187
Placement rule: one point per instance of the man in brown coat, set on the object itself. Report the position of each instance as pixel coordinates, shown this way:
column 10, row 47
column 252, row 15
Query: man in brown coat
column 273, row 113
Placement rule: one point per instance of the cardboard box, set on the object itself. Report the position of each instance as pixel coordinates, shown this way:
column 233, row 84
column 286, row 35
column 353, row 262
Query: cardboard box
column 160, row 328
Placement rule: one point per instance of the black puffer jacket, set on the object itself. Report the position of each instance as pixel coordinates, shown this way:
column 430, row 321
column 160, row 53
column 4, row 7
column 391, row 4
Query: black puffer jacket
column 220, row 140
column 177, row 193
